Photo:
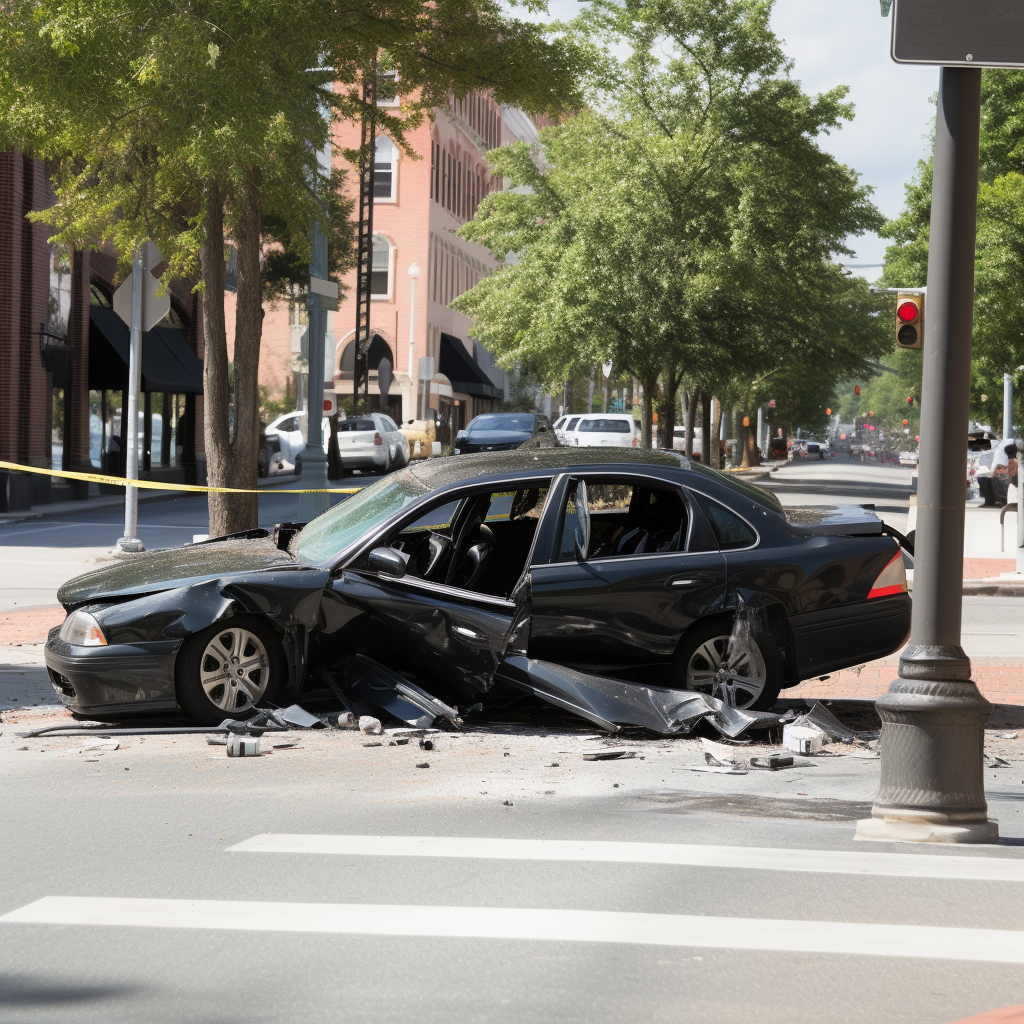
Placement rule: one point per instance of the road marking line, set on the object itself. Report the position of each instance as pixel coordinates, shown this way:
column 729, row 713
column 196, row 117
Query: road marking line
column 535, row 925
column 905, row 865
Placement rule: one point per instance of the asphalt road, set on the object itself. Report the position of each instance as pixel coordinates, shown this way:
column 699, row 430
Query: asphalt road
column 127, row 899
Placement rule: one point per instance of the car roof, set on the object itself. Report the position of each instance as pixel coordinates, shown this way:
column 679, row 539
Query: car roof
column 448, row 472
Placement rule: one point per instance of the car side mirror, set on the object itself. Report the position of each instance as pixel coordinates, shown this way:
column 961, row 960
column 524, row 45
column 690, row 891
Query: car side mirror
column 581, row 535
column 388, row 561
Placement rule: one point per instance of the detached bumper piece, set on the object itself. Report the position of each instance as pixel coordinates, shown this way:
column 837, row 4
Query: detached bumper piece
column 366, row 687
column 613, row 704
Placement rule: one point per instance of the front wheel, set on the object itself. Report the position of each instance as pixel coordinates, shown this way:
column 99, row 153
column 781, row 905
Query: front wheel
column 740, row 666
column 227, row 670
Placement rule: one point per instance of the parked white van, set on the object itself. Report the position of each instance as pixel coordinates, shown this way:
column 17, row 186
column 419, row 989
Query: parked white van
column 605, row 430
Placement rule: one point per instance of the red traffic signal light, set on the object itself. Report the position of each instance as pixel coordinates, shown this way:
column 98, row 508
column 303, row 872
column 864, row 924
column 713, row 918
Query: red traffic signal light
column 906, row 423
column 856, row 390
column 909, row 320
column 871, row 413
column 910, row 399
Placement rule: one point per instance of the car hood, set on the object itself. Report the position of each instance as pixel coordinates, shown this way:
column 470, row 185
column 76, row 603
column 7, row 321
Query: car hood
column 152, row 571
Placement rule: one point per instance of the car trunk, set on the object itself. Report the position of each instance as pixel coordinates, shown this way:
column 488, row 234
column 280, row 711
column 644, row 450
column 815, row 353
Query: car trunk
column 356, row 434
column 833, row 520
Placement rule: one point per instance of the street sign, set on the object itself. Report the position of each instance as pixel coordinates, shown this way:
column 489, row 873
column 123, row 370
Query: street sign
column 154, row 307
column 967, row 33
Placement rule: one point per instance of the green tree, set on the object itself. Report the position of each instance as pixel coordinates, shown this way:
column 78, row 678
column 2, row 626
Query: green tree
column 195, row 123
column 683, row 223
column 999, row 256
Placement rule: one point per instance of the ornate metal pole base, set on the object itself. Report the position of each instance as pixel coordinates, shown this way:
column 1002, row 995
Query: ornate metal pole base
column 933, row 734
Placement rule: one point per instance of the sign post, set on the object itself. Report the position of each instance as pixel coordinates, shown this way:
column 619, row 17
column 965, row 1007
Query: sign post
column 933, row 716
column 136, row 302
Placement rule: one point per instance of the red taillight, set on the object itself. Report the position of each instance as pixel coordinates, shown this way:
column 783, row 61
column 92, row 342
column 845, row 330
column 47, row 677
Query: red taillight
column 636, row 442
column 376, row 439
column 891, row 580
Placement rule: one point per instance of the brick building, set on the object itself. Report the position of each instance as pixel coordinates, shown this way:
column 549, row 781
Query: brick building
column 63, row 359
column 419, row 203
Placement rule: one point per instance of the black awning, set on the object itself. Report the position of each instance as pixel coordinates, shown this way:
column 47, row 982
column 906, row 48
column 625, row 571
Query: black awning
column 168, row 364
column 462, row 370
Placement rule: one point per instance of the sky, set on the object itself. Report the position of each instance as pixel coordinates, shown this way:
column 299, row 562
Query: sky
column 846, row 42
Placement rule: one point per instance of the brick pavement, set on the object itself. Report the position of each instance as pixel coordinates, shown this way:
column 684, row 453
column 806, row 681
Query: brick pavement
column 29, row 626
column 986, row 568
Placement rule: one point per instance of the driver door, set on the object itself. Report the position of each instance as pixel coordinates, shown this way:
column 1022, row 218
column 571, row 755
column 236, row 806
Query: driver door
column 434, row 624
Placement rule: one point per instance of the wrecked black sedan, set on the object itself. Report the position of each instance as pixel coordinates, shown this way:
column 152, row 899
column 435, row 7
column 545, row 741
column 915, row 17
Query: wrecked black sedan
column 616, row 584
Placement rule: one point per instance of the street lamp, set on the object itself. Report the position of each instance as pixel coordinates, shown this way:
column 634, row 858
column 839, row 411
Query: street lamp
column 414, row 384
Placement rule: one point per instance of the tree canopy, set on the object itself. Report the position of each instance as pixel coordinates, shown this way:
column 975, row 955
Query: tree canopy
column 683, row 224
column 193, row 123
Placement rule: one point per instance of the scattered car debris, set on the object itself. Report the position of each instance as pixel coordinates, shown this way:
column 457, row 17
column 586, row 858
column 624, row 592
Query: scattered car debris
column 399, row 743
column 997, row 762
column 609, row 755
column 287, row 745
column 717, row 769
column 773, row 762
column 97, row 745
column 819, row 717
column 423, row 764
column 243, row 746
column 1008, row 735
column 342, row 720
column 369, row 725
column 374, row 744
column 217, row 741
column 299, row 716
column 803, row 739
column 426, row 744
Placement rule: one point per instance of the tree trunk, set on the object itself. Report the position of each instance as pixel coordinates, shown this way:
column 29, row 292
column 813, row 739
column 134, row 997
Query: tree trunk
column 751, row 456
column 707, row 449
column 232, row 462
column 690, row 399
column 667, row 412
column 215, row 360
column 647, row 414
column 716, row 429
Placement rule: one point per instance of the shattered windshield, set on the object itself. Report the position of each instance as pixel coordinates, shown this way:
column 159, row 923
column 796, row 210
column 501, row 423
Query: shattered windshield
column 332, row 532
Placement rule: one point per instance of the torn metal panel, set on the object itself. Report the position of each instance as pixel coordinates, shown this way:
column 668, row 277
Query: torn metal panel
column 368, row 682
column 733, row 722
column 821, row 718
column 296, row 715
column 609, row 703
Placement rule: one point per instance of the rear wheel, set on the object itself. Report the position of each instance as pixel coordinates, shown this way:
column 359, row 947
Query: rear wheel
column 743, row 668
column 230, row 668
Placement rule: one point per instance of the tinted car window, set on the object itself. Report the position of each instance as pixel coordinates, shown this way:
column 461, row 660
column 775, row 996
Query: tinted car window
column 730, row 531
column 601, row 426
column 288, row 425
column 571, row 425
column 357, row 425
column 512, row 422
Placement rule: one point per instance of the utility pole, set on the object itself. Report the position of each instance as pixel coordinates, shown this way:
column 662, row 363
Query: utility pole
column 933, row 716
column 323, row 295
column 414, row 272
column 364, row 239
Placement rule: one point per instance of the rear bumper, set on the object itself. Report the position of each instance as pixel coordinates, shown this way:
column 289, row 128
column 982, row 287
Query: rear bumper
column 851, row 634
column 120, row 679
column 364, row 456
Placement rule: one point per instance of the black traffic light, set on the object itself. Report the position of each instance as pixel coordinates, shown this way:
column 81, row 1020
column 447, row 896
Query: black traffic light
column 909, row 320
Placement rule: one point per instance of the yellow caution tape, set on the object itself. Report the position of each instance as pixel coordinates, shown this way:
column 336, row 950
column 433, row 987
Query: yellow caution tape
column 159, row 485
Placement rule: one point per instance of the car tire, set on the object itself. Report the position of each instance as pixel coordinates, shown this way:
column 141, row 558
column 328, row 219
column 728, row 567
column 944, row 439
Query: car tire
column 249, row 647
column 705, row 649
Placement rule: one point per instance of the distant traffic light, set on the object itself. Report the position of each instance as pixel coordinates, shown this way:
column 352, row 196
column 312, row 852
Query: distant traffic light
column 910, row 399
column 871, row 413
column 906, row 423
column 828, row 412
column 909, row 320
column 856, row 390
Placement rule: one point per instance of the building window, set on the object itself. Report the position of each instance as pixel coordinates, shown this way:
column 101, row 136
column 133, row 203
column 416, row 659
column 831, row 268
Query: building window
column 387, row 89
column 385, row 156
column 380, row 267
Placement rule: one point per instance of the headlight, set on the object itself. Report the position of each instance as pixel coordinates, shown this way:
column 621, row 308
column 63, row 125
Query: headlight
column 81, row 630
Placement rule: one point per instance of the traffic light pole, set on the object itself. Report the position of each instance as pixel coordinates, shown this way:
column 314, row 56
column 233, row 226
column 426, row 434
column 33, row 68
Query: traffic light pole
column 933, row 717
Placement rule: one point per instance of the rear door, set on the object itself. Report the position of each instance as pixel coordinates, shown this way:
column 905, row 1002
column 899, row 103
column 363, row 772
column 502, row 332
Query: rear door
column 651, row 569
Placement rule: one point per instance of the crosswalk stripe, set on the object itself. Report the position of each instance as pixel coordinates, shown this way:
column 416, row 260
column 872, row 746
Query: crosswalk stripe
column 905, row 865
column 534, row 925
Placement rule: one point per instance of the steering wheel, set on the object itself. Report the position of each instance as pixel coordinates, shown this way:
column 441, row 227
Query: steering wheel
column 466, row 570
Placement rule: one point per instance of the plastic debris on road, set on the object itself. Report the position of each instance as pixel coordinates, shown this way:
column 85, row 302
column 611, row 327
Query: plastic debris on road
column 370, row 726
column 243, row 746
column 803, row 739
column 296, row 715
column 609, row 755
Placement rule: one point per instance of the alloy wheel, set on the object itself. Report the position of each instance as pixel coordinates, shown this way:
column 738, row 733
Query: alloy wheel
column 734, row 673
column 235, row 669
